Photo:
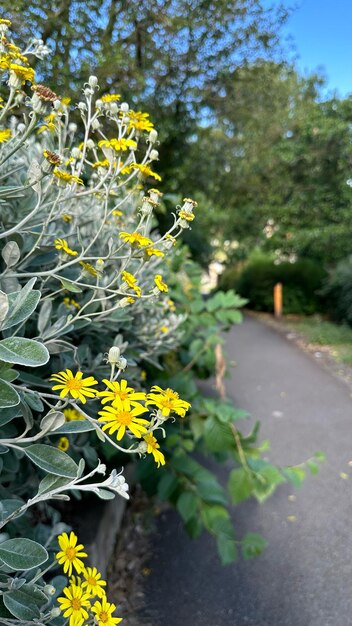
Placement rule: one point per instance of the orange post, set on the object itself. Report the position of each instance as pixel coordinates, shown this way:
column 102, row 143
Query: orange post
column 278, row 300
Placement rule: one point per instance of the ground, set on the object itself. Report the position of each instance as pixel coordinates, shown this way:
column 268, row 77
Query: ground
column 304, row 576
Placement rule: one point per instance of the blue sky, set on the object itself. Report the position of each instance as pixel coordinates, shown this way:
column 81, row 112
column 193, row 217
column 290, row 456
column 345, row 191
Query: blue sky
column 322, row 32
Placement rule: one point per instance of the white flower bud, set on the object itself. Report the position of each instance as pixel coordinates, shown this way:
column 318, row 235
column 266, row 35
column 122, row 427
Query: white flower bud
column 57, row 104
column 72, row 127
column 55, row 612
column 124, row 107
column 142, row 447
column 99, row 265
column 88, row 92
column 114, row 107
column 122, row 363
column 98, row 104
column 21, row 128
column 95, row 124
column 90, row 144
column 75, row 153
column 49, row 590
column 154, row 155
column 114, row 355
column 82, row 106
column 153, row 135
column 93, row 81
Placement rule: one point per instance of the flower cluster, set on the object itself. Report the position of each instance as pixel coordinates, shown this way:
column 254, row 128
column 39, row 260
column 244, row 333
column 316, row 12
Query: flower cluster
column 122, row 409
column 85, row 595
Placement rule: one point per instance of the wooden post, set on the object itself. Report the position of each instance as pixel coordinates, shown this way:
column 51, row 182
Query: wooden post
column 278, row 300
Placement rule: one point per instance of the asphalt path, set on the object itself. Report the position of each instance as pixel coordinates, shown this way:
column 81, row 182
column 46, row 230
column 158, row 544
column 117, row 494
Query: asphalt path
column 304, row 578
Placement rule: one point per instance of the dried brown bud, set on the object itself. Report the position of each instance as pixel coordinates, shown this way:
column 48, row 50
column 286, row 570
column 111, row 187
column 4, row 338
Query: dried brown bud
column 45, row 93
column 52, row 157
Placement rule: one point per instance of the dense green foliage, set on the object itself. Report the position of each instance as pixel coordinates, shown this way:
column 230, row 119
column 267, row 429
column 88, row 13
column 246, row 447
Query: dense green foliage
column 338, row 292
column 301, row 283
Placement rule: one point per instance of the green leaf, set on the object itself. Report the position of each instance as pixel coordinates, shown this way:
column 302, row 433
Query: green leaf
column 187, row 505
column 8, row 414
column 314, row 467
column 77, row 426
column 8, row 396
column 21, row 304
column 240, row 485
column 320, row 456
column 44, row 316
column 25, row 603
column 104, row 494
column 227, row 549
column 52, row 421
column 34, row 400
column 217, row 435
column 167, row 485
column 266, row 480
column 22, row 554
column 51, row 482
column 211, row 491
column 52, row 460
column 9, row 506
column 11, row 253
column 295, row 475
column 4, row 305
column 253, row 545
column 23, row 351
column 70, row 286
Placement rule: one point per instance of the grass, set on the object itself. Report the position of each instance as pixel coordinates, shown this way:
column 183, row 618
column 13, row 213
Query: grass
column 322, row 333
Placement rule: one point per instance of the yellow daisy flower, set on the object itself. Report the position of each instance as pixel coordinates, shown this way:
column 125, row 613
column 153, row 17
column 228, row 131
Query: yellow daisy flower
column 122, row 417
column 22, row 72
column 158, row 279
column 131, row 281
column 74, row 385
column 111, row 97
column 154, row 252
column 185, row 215
column 72, row 415
column 135, row 239
column 103, row 613
column 5, row 135
column 168, row 401
column 118, row 144
column 61, row 244
column 67, row 178
column 63, row 444
column 122, row 391
column 93, row 582
column 70, row 554
column 89, row 268
column 139, row 121
column 153, row 448
column 74, row 605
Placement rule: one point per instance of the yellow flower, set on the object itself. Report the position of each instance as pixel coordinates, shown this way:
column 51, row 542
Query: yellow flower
column 158, row 279
column 70, row 554
column 111, row 97
column 117, row 212
column 67, row 178
column 71, row 302
column 121, row 417
column 72, row 415
column 5, row 21
column 171, row 305
column 169, row 237
column 67, row 218
column 139, row 121
column 89, row 268
column 74, row 385
column 135, row 239
column 145, row 170
column 75, row 604
column 131, row 281
column 63, row 444
column 118, row 144
column 93, row 582
column 22, row 72
column 164, row 329
column 103, row 613
column 167, row 401
column 153, row 448
column 61, row 244
column 120, row 390
column 49, row 123
column 5, row 135
column 154, row 252
column 185, row 215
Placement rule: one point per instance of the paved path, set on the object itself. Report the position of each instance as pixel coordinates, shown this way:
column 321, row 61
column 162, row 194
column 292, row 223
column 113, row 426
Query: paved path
column 304, row 577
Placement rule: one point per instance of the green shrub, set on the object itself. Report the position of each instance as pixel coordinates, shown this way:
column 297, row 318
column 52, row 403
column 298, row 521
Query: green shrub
column 301, row 282
column 338, row 292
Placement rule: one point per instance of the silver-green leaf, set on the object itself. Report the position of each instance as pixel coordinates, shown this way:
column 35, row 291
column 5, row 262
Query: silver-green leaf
column 22, row 554
column 23, row 351
column 52, row 460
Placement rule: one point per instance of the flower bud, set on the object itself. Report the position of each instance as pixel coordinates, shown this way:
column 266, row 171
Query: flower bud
column 142, row 447
column 72, row 127
column 99, row 265
column 76, row 153
column 90, row 144
column 93, row 81
column 55, row 612
column 49, row 590
column 21, row 128
column 57, row 104
column 114, row 355
column 98, row 104
column 122, row 363
column 88, row 92
column 154, row 155
column 114, row 107
column 153, row 135
column 82, row 106
column 95, row 124
column 124, row 107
